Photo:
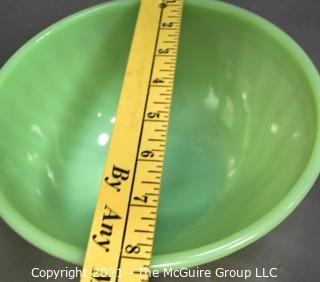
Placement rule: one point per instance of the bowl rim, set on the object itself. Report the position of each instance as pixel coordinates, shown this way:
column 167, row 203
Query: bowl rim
column 223, row 247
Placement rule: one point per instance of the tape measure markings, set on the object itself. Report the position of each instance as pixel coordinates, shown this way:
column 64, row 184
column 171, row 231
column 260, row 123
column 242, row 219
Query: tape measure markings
column 128, row 199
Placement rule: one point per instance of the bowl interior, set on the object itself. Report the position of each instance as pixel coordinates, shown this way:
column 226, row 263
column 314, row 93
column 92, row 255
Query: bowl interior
column 242, row 126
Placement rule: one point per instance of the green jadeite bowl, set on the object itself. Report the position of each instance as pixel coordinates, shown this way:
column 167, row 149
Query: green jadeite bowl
column 243, row 146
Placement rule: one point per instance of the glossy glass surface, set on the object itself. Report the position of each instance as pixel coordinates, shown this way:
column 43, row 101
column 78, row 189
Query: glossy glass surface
column 243, row 144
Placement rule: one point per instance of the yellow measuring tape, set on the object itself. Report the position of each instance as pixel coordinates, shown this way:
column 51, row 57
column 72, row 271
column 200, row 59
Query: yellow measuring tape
column 123, row 228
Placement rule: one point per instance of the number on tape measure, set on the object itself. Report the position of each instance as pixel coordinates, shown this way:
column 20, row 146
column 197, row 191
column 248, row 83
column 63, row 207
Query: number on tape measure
column 123, row 227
